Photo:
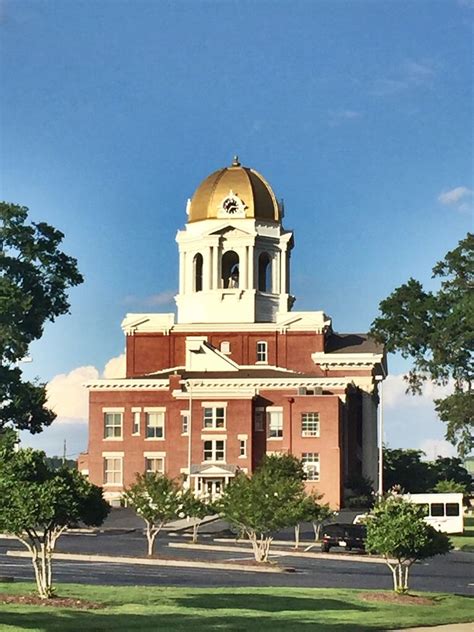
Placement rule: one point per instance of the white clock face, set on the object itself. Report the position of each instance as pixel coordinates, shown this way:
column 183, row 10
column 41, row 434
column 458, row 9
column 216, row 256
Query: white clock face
column 231, row 205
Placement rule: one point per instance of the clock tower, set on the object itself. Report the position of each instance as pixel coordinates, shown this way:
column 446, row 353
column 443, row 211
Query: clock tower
column 234, row 254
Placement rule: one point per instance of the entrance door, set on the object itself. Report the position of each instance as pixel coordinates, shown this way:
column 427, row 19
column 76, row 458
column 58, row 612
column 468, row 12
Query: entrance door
column 213, row 487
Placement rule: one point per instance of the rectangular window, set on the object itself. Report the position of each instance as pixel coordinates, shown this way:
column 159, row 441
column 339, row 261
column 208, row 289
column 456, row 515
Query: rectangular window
column 311, row 465
column 259, row 420
column 155, row 425
column 113, row 471
column 452, row 509
column 184, row 423
column 214, row 418
column 154, row 465
column 437, row 510
column 262, row 351
column 136, row 423
column 214, row 450
column 275, row 424
column 310, row 424
column 243, row 447
column 113, row 425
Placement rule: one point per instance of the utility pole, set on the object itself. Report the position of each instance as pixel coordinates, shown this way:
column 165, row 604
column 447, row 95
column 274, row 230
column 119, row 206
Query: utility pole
column 64, row 452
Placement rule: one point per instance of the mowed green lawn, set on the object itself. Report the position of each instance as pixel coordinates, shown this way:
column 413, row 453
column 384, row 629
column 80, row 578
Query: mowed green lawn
column 465, row 542
column 202, row 610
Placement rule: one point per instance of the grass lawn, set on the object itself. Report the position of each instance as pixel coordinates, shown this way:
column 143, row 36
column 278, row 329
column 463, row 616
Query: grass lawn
column 238, row 609
column 465, row 542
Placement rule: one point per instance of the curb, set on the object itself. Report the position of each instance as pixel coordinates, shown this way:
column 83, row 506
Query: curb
column 308, row 555
column 76, row 557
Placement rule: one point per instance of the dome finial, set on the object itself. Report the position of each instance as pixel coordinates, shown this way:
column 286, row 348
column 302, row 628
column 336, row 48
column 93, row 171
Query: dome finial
column 235, row 161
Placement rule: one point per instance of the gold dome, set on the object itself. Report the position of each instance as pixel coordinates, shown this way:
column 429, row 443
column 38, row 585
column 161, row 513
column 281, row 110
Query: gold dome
column 234, row 192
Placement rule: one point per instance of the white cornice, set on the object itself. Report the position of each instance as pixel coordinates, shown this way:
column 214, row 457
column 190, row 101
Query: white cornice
column 237, row 387
column 344, row 361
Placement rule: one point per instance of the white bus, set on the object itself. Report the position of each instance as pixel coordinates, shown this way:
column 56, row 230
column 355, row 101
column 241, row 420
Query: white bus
column 444, row 511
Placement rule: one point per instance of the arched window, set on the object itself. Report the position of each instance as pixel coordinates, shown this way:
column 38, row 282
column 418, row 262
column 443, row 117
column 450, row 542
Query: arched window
column 230, row 269
column 225, row 347
column 197, row 271
column 264, row 272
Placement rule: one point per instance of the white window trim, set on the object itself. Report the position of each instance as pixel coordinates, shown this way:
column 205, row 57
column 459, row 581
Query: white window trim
column 261, row 342
column 227, row 343
column 155, row 455
column 244, row 441
column 185, row 413
column 311, row 463
column 306, row 434
column 214, row 461
column 274, row 409
column 112, row 455
column 214, row 406
column 155, row 410
column 113, row 411
column 136, row 411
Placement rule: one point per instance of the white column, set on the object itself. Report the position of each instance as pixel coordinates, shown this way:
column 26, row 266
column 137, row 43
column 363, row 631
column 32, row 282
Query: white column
column 215, row 267
column 243, row 267
column 283, row 266
column 181, row 272
column 207, row 270
column 251, row 274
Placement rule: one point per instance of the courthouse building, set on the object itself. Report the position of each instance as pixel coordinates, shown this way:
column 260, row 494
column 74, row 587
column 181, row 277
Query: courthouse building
column 238, row 373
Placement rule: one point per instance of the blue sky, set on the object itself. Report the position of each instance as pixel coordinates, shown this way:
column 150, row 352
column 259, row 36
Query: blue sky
column 358, row 113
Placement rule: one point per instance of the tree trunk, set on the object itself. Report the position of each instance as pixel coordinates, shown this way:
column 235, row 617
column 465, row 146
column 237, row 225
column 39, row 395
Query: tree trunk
column 260, row 546
column 195, row 532
column 151, row 532
column 317, row 530
column 297, row 535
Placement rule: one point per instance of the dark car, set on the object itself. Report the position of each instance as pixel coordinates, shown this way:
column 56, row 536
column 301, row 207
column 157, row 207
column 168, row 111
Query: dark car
column 348, row 536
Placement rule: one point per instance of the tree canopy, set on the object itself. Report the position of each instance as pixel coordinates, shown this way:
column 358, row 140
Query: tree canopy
column 272, row 499
column 34, row 278
column 38, row 503
column 436, row 330
column 157, row 499
column 407, row 470
column 396, row 529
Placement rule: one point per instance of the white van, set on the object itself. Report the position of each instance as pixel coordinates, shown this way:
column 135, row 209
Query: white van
column 444, row 511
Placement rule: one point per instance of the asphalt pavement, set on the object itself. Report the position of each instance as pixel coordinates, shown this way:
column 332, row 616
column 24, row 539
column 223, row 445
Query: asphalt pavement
column 450, row 573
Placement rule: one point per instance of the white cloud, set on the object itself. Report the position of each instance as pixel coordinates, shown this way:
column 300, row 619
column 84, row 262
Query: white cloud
column 115, row 367
column 395, row 394
column 162, row 298
column 437, row 447
column 67, row 396
column 410, row 421
column 459, row 197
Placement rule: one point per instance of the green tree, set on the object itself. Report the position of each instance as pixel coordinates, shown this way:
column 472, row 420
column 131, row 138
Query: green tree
column 196, row 509
column 34, row 278
column 157, row 499
column 397, row 530
column 38, row 503
column 405, row 469
column 451, row 469
column 436, row 329
column 261, row 505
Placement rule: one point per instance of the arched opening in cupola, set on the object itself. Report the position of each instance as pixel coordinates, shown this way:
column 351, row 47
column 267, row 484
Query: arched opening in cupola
column 197, row 272
column 264, row 272
column 230, row 269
